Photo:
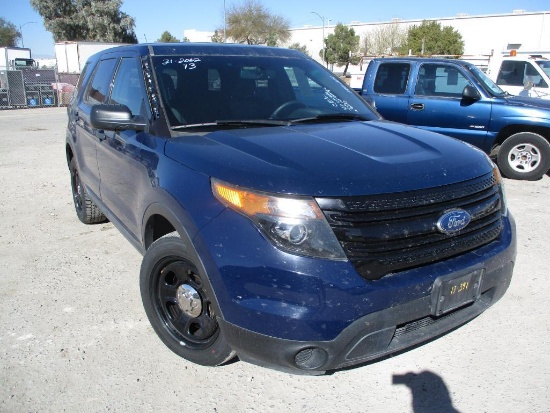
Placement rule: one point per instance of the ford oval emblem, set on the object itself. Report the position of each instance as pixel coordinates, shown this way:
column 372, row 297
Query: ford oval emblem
column 453, row 221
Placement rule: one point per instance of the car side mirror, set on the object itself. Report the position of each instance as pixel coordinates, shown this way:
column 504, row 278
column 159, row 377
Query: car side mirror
column 115, row 117
column 528, row 85
column 471, row 93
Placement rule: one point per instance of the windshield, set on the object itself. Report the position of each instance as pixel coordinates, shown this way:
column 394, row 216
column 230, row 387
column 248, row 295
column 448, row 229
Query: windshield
column 487, row 83
column 545, row 66
column 218, row 89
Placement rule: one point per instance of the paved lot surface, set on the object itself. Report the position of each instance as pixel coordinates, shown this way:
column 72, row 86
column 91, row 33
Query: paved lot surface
column 74, row 336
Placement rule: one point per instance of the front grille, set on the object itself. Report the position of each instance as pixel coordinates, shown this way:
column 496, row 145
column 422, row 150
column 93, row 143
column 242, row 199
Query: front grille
column 385, row 233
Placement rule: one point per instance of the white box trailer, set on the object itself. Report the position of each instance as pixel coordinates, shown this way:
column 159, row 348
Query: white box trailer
column 71, row 56
column 8, row 55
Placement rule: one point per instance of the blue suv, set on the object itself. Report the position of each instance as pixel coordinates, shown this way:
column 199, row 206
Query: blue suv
column 280, row 218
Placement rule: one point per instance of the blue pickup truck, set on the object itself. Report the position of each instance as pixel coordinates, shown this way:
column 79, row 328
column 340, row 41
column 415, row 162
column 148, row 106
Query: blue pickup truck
column 280, row 219
column 455, row 98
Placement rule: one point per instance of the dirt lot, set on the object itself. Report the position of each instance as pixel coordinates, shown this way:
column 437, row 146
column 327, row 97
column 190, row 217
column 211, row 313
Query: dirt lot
column 74, row 336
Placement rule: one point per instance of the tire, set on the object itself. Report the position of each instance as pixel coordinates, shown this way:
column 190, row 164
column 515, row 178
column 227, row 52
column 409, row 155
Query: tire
column 179, row 307
column 86, row 210
column 524, row 156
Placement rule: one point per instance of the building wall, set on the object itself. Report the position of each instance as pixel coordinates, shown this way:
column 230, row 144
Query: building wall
column 197, row 36
column 482, row 35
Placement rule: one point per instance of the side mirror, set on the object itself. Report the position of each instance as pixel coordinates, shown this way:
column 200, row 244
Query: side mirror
column 528, row 85
column 115, row 117
column 471, row 93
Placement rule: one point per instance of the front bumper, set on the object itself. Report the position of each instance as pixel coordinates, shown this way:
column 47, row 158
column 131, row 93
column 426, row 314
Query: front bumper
column 370, row 337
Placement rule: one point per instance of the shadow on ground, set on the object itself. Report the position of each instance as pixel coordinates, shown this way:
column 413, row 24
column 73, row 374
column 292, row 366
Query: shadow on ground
column 429, row 392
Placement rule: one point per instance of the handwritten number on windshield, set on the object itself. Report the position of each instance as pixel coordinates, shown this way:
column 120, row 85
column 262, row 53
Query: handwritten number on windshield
column 188, row 63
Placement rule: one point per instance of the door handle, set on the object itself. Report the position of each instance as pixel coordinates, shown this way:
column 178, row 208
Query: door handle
column 417, row 106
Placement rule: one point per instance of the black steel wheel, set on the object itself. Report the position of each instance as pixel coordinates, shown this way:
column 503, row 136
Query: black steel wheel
column 178, row 304
column 86, row 210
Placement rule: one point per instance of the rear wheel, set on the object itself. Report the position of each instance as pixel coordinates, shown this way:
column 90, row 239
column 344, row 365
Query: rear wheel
column 86, row 210
column 178, row 303
column 525, row 156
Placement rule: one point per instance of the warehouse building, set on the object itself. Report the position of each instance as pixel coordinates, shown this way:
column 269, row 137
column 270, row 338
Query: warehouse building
column 483, row 35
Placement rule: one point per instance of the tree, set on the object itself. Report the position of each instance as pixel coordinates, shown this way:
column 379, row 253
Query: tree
column 217, row 37
column 167, row 37
column 9, row 35
column 431, row 39
column 253, row 23
column 384, row 39
column 342, row 47
column 88, row 20
column 299, row 47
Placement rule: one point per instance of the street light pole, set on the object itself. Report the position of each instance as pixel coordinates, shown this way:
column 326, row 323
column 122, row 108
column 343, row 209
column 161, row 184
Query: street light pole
column 224, row 23
column 323, row 43
column 21, row 31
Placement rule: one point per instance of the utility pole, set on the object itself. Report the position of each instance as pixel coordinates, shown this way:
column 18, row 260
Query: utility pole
column 21, row 31
column 323, row 44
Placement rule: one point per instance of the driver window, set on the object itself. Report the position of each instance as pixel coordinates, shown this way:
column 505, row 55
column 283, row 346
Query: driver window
column 440, row 80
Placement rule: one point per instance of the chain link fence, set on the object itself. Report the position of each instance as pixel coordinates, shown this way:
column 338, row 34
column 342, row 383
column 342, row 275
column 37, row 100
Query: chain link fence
column 30, row 88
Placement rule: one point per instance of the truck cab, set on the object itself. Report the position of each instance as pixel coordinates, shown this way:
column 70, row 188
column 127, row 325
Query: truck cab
column 522, row 75
column 22, row 63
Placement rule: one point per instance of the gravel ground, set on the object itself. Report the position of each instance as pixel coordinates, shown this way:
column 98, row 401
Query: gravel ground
column 74, row 336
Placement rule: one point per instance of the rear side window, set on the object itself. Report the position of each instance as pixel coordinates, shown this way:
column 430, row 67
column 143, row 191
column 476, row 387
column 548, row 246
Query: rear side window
column 98, row 88
column 440, row 80
column 391, row 78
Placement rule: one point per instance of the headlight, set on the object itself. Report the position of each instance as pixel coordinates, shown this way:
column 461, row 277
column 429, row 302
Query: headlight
column 293, row 224
column 498, row 178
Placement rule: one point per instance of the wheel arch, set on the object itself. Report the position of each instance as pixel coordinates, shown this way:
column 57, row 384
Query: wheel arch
column 510, row 130
column 69, row 153
column 162, row 219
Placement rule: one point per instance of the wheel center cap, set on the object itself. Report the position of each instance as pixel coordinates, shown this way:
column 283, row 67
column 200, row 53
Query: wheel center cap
column 525, row 157
column 189, row 300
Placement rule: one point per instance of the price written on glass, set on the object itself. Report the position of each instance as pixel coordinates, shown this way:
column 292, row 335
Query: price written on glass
column 459, row 288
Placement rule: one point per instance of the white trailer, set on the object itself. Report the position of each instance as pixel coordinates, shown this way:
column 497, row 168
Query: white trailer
column 71, row 56
column 8, row 56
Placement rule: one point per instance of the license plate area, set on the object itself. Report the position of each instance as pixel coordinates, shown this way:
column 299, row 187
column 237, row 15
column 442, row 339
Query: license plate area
column 452, row 292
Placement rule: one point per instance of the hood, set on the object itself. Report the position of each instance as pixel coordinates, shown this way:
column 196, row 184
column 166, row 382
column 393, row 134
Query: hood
column 335, row 159
column 525, row 101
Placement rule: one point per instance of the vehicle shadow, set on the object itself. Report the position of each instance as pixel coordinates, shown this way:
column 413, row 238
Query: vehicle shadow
column 429, row 392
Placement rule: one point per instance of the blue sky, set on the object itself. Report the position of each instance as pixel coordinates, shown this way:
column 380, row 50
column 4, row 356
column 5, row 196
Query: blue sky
column 155, row 16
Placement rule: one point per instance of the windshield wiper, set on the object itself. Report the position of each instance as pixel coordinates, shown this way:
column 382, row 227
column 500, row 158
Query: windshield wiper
column 330, row 117
column 234, row 123
column 253, row 122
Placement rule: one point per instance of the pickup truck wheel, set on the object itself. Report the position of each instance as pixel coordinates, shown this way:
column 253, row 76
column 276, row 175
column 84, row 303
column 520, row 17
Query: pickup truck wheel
column 86, row 210
column 525, row 156
column 178, row 305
